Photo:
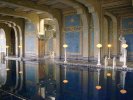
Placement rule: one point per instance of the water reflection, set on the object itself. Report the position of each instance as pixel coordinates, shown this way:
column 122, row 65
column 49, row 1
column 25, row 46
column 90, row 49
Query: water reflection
column 122, row 79
column 3, row 73
column 45, row 80
column 65, row 81
column 98, row 86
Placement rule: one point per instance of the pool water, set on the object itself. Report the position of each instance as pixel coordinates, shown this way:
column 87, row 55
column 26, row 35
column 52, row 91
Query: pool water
column 48, row 81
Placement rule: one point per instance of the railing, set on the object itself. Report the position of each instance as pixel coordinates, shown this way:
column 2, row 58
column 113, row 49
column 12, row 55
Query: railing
column 7, row 94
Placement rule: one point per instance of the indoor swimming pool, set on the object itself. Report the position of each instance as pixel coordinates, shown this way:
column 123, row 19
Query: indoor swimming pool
column 33, row 80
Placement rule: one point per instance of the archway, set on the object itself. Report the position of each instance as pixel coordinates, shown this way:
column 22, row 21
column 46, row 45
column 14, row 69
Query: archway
column 12, row 43
column 114, row 32
column 49, row 37
column 2, row 43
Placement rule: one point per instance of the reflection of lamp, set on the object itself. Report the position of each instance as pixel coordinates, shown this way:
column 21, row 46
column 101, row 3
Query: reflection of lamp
column 123, row 91
column 98, row 87
column 109, row 46
column 20, row 72
column 65, row 46
column 125, row 55
column 7, row 50
column 99, row 46
column 65, row 81
column 108, row 74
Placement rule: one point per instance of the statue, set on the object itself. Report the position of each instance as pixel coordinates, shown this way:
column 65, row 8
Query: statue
column 123, row 41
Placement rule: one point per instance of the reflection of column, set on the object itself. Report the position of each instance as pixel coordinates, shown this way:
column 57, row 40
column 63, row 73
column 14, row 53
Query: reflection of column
column 65, row 80
column 85, row 80
column 65, row 46
column 123, row 76
column 21, row 75
column 98, row 87
column 113, row 75
column 3, row 73
column 17, row 76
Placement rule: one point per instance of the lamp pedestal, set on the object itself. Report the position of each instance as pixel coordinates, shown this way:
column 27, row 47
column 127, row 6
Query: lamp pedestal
column 65, row 59
column 99, row 46
column 125, row 58
column 65, row 56
column 98, row 63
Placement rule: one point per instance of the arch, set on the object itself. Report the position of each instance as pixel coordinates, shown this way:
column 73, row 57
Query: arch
column 91, row 9
column 18, row 32
column 114, row 35
column 19, row 37
column 16, row 40
column 2, row 42
column 20, row 41
column 21, row 75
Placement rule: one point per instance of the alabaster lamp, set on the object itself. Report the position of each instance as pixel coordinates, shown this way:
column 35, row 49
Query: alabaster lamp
column 99, row 46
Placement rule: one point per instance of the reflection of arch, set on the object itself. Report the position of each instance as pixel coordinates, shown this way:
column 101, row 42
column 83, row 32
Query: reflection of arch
column 21, row 75
column 3, row 73
column 114, row 35
column 17, row 76
column 2, row 41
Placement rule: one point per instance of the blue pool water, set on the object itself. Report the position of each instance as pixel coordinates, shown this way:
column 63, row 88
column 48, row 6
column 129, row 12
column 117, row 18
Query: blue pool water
column 47, row 81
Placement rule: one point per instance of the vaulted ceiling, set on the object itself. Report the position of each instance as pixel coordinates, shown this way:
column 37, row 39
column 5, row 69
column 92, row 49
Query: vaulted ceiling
column 116, row 7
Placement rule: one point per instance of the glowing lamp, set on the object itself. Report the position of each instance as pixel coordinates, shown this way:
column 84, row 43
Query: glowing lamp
column 123, row 91
column 124, row 45
column 65, row 81
column 20, row 46
column 7, row 69
column 7, row 46
column 40, row 33
column 98, row 87
column 20, row 72
column 65, row 45
column 108, row 74
column 109, row 45
column 99, row 45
